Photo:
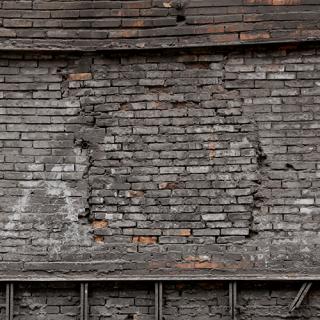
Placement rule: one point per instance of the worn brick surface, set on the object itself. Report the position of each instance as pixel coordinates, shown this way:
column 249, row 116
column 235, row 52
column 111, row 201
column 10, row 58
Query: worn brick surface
column 188, row 163
column 182, row 300
column 90, row 25
column 46, row 301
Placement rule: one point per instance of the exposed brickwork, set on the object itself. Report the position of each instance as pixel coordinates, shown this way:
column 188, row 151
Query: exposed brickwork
column 184, row 300
column 2, row 301
column 46, row 301
column 175, row 162
column 122, row 301
column 90, row 25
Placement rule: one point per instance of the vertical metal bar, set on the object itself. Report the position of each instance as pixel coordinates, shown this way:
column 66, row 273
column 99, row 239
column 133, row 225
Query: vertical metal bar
column 160, row 301
column 81, row 301
column 86, row 302
column 8, row 301
column 230, row 299
column 156, row 300
column 11, row 300
column 233, row 299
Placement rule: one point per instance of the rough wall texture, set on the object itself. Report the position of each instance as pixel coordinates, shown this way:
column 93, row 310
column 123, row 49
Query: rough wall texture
column 199, row 300
column 90, row 25
column 160, row 163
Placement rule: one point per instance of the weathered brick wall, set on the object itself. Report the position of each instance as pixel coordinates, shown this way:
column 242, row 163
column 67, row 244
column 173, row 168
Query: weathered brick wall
column 46, row 301
column 183, row 300
column 160, row 163
column 90, row 25
column 2, row 301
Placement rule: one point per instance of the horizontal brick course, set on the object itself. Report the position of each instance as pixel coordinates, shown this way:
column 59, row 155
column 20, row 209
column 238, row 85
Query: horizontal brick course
column 109, row 25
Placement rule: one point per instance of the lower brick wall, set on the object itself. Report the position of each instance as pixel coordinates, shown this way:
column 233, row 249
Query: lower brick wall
column 196, row 301
column 181, row 301
column 46, row 301
column 122, row 301
column 2, row 301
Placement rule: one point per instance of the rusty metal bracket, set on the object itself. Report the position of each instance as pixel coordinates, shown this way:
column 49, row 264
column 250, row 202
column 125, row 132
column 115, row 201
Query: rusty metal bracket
column 158, row 295
column 300, row 296
column 84, row 302
column 233, row 299
column 9, row 301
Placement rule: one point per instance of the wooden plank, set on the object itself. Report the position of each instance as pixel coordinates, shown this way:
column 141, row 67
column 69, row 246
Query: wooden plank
column 300, row 296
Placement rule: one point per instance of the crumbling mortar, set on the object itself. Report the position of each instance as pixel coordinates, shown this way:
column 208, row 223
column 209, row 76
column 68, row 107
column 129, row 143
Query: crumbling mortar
column 262, row 165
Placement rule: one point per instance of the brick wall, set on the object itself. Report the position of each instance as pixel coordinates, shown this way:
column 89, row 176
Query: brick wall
column 46, row 301
column 90, row 25
column 192, row 300
column 157, row 163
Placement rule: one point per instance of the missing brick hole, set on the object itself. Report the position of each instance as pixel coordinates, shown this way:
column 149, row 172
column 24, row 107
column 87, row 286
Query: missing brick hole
column 86, row 217
column 261, row 156
column 181, row 18
column 198, row 65
column 252, row 233
column 290, row 166
column 83, row 144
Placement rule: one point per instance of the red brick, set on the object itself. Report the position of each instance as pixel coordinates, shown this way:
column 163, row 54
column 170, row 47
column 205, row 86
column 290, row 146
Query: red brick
column 80, row 76
column 285, row 2
column 254, row 36
column 145, row 240
column 99, row 239
column 135, row 194
column 168, row 185
column 185, row 232
column 99, row 224
column 212, row 150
